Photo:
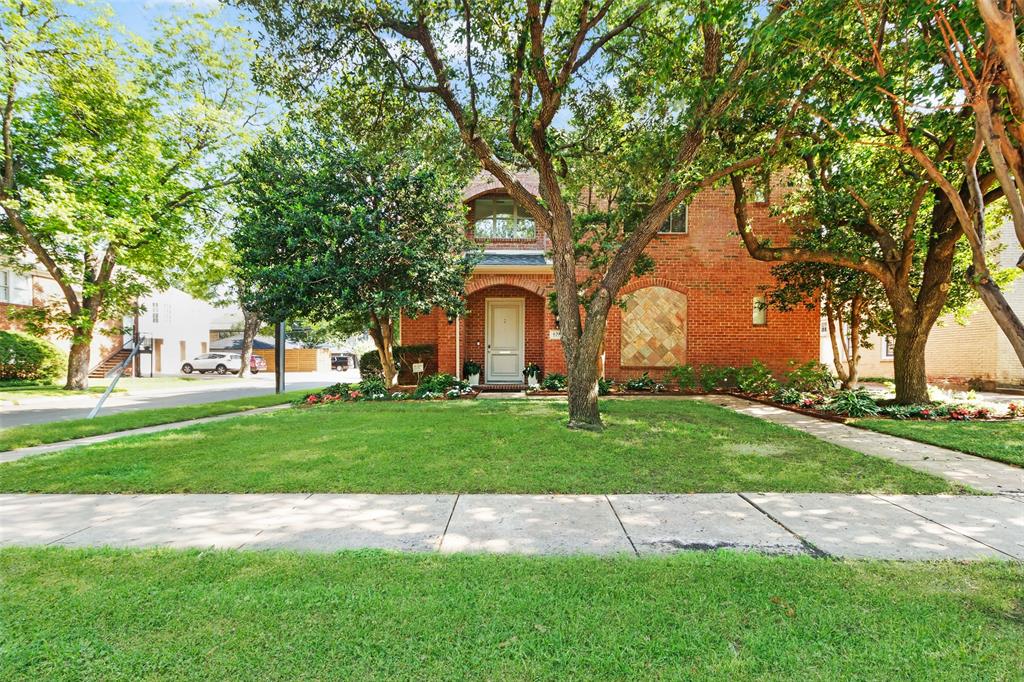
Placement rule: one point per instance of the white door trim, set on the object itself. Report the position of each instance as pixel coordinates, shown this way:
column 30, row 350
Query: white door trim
column 487, row 336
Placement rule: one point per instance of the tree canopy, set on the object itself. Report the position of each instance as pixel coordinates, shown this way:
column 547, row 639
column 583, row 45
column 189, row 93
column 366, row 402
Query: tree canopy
column 327, row 231
column 115, row 153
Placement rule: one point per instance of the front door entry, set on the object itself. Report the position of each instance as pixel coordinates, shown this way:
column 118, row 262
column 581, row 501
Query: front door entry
column 504, row 340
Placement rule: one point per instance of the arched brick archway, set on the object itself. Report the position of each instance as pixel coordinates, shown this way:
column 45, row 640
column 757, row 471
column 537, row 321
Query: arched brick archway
column 533, row 285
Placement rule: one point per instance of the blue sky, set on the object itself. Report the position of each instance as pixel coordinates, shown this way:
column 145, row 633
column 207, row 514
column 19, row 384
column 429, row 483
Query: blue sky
column 138, row 16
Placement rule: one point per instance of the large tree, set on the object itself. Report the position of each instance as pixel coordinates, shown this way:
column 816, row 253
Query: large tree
column 886, row 153
column 114, row 152
column 327, row 231
column 634, row 92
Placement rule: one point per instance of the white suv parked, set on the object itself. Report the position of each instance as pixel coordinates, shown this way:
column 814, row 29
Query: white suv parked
column 221, row 363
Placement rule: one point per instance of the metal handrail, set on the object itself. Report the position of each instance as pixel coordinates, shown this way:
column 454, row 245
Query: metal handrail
column 118, row 371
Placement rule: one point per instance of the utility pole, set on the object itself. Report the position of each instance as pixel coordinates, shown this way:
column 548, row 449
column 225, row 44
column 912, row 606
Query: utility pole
column 279, row 357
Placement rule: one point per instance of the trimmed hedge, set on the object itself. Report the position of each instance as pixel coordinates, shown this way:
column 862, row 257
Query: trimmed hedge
column 28, row 358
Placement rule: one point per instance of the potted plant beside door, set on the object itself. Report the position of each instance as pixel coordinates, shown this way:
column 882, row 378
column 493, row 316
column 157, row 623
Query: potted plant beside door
column 531, row 374
column 471, row 370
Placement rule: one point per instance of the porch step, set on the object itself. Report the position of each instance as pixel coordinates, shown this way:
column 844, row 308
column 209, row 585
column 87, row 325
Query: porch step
column 501, row 388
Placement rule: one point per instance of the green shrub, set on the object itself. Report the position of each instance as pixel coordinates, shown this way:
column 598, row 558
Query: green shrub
column 756, row 379
column 439, row 384
column 713, row 377
column 684, row 376
column 644, row 382
column 604, row 386
column 373, row 385
column 405, row 356
column 553, row 382
column 28, row 358
column 812, row 377
column 470, row 367
column 857, row 403
column 787, row 395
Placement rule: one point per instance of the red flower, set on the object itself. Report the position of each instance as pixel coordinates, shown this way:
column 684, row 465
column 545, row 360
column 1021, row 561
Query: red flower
column 312, row 399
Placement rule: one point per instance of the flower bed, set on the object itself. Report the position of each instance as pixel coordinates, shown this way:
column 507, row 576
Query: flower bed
column 807, row 389
column 432, row 387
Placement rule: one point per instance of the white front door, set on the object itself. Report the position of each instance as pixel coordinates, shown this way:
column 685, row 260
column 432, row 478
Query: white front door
column 504, row 338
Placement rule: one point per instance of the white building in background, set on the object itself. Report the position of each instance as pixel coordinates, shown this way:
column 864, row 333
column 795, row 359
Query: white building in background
column 976, row 351
column 176, row 325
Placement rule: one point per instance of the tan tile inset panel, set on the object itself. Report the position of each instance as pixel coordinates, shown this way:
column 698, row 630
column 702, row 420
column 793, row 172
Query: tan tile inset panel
column 654, row 328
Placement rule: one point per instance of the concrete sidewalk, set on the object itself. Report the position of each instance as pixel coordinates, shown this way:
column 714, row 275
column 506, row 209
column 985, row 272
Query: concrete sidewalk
column 849, row 526
column 979, row 473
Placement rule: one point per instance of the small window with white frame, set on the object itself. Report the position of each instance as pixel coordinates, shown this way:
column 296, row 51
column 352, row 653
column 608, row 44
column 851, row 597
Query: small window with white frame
column 677, row 221
column 760, row 311
column 15, row 287
column 156, row 312
column 888, row 348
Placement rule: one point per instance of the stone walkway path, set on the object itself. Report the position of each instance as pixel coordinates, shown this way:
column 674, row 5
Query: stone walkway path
column 981, row 474
column 850, row 526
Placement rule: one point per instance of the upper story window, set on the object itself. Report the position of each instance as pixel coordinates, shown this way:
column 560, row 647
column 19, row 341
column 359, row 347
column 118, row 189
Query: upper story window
column 15, row 288
column 502, row 218
column 676, row 222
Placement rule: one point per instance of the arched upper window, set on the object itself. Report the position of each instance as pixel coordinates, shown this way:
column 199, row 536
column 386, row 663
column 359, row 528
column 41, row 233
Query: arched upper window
column 501, row 218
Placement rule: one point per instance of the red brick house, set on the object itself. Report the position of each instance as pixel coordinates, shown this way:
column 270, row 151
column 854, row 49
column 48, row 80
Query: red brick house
column 700, row 305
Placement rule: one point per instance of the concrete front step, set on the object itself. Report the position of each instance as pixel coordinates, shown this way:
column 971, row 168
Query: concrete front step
column 848, row 526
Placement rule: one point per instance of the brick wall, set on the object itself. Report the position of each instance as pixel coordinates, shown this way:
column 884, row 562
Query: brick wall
column 708, row 264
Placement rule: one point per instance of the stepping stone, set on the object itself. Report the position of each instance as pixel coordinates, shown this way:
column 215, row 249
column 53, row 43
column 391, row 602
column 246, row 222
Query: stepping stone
column 994, row 521
column 866, row 527
column 535, row 524
column 327, row 523
column 659, row 524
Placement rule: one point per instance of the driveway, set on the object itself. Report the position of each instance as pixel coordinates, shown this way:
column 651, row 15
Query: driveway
column 42, row 410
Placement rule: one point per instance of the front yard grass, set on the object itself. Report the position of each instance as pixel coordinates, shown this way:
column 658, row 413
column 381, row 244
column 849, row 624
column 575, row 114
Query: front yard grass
column 116, row 614
column 511, row 446
column 53, row 432
column 1002, row 441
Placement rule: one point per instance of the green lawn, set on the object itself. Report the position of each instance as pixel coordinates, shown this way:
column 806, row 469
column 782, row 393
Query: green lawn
column 109, row 614
column 52, row 432
column 14, row 394
column 1002, row 441
column 513, row 446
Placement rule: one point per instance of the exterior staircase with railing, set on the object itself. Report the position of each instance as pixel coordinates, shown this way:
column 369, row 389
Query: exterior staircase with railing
column 110, row 363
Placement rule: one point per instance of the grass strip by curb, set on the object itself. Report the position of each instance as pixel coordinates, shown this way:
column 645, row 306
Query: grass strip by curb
column 54, row 432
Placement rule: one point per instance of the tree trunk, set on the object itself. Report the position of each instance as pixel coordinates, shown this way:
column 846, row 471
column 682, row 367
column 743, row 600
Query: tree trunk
column 909, row 366
column 382, row 334
column 837, row 358
column 250, row 325
column 581, row 383
column 852, row 372
column 78, row 367
column 1004, row 315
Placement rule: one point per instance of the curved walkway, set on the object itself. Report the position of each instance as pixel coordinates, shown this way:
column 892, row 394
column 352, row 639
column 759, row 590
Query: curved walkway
column 979, row 473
